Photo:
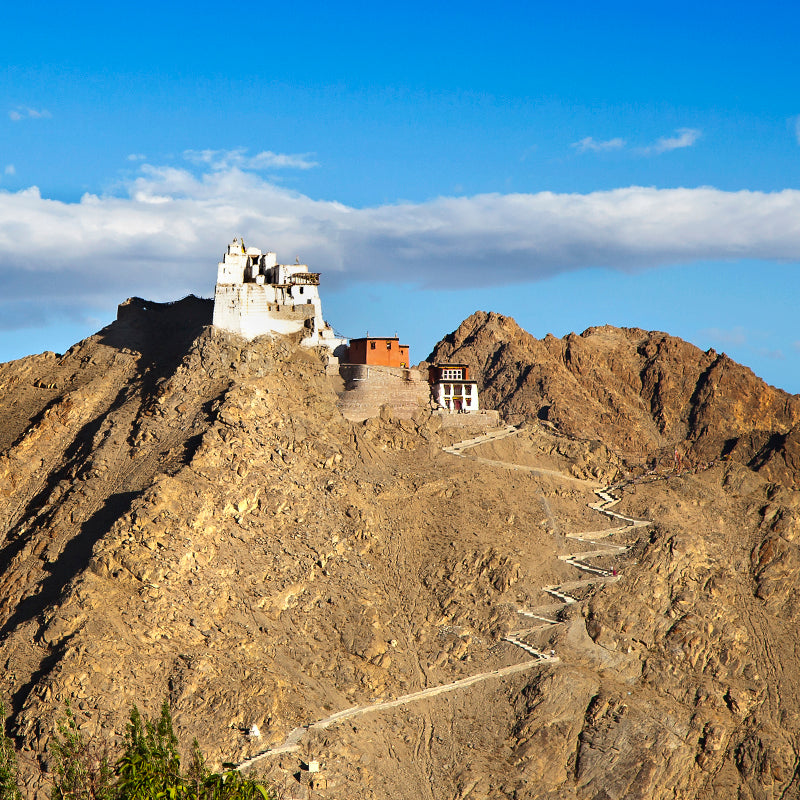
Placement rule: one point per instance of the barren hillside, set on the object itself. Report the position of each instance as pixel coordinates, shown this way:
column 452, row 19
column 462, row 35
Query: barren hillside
column 188, row 516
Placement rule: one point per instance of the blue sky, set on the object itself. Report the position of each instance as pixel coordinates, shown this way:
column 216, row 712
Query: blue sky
column 569, row 164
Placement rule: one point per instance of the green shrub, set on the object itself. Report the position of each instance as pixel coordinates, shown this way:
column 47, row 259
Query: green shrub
column 148, row 769
column 151, row 764
column 9, row 788
column 83, row 765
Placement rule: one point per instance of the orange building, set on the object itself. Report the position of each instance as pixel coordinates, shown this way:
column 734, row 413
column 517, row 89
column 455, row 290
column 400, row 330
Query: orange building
column 379, row 351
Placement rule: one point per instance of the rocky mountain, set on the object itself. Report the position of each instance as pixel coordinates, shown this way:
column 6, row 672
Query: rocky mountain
column 642, row 392
column 186, row 515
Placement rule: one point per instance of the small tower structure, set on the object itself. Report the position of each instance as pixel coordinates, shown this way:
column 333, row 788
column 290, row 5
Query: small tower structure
column 257, row 295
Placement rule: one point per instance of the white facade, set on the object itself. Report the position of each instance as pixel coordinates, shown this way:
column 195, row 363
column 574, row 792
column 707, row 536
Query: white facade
column 256, row 295
column 454, row 394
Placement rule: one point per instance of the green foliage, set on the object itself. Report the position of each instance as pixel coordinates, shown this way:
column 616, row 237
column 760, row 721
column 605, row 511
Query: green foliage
column 151, row 764
column 230, row 786
column 83, row 768
column 9, row 788
column 148, row 769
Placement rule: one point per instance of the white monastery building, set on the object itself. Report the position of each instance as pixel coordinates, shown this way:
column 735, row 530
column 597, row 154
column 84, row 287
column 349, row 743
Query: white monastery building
column 256, row 295
column 452, row 389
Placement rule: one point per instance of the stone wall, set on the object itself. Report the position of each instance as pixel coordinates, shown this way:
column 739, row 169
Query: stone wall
column 251, row 310
column 472, row 419
column 367, row 388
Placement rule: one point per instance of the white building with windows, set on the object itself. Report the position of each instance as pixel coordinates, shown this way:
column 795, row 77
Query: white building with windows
column 452, row 389
column 256, row 295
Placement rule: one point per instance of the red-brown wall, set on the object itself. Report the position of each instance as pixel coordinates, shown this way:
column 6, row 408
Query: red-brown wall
column 435, row 371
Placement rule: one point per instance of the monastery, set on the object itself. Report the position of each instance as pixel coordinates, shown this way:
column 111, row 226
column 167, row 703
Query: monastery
column 255, row 295
column 452, row 389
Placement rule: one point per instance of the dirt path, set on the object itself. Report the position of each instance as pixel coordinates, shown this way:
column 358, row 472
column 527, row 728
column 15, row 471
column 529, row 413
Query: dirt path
column 492, row 436
column 292, row 741
column 542, row 615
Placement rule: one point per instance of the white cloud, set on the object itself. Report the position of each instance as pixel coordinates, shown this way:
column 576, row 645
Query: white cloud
column 25, row 112
column 10, row 169
column 684, row 137
column 775, row 354
column 736, row 336
column 227, row 159
column 269, row 160
column 136, row 157
column 164, row 238
column 590, row 144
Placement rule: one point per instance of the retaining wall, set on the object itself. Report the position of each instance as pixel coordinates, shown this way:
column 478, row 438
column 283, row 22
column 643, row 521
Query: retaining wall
column 483, row 419
column 367, row 388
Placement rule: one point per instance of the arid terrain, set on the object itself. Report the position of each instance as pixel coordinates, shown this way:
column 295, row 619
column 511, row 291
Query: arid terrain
column 184, row 515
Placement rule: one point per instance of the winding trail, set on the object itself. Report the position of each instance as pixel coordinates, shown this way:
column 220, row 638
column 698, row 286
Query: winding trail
column 543, row 617
column 546, row 616
column 292, row 742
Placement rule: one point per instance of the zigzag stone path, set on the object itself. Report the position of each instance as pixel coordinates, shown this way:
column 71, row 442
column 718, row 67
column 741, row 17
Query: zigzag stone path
column 542, row 615
column 561, row 591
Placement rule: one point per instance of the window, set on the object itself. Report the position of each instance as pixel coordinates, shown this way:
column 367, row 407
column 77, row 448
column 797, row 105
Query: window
column 447, row 388
column 451, row 374
column 372, row 345
column 388, row 345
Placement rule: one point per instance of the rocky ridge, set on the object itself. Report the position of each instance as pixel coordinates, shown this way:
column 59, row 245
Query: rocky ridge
column 641, row 392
